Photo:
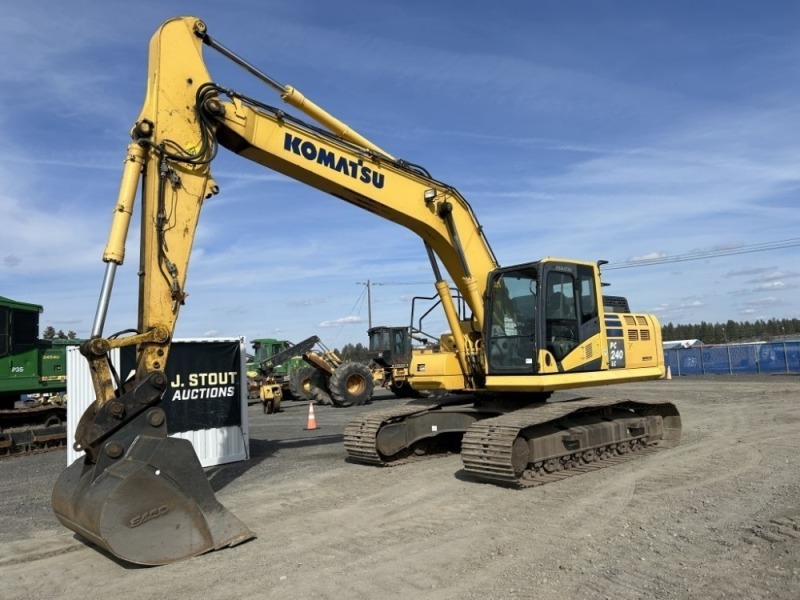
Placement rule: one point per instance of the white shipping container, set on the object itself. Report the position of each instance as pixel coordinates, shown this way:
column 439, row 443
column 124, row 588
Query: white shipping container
column 214, row 446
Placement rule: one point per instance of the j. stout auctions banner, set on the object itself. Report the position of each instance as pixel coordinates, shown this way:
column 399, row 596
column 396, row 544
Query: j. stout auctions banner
column 204, row 387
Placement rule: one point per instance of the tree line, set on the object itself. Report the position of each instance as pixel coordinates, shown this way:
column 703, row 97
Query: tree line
column 50, row 333
column 732, row 331
column 356, row 353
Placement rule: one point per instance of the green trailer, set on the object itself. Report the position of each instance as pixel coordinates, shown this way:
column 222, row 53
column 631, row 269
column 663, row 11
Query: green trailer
column 33, row 381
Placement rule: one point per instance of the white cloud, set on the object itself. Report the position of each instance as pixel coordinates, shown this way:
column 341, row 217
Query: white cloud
column 648, row 256
column 341, row 321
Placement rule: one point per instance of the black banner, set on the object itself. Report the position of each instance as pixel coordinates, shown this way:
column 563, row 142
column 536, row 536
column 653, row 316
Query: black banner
column 204, row 388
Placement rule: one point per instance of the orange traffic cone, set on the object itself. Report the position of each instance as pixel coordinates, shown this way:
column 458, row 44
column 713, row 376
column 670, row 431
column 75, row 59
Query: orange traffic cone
column 312, row 420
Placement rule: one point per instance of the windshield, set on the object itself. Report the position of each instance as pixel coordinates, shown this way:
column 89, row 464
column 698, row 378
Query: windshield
column 379, row 340
column 511, row 329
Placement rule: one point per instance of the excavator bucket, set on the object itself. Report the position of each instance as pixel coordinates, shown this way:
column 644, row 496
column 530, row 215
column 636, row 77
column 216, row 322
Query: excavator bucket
column 145, row 498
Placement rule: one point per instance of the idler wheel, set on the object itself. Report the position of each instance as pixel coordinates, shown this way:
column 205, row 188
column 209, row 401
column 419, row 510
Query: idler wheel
column 520, row 455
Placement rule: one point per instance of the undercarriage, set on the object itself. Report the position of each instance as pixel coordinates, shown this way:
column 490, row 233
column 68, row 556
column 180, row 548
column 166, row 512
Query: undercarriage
column 30, row 429
column 519, row 447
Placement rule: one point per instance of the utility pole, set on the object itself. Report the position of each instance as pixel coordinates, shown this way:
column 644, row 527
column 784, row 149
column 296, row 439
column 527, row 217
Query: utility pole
column 369, row 300
column 369, row 283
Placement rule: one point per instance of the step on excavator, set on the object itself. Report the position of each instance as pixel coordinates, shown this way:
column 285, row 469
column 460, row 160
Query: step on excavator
column 531, row 329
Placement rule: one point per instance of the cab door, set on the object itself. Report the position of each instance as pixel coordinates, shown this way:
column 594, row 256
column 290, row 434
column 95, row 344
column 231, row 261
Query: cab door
column 570, row 310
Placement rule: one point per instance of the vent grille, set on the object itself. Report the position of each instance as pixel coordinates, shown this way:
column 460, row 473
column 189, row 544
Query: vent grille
column 642, row 320
column 644, row 335
column 633, row 335
column 629, row 320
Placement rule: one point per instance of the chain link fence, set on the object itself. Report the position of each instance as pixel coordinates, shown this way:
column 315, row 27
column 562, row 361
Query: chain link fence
column 773, row 357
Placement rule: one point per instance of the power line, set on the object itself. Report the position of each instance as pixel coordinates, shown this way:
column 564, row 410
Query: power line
column 368, row 286
column 368, row 282
column 703, row 254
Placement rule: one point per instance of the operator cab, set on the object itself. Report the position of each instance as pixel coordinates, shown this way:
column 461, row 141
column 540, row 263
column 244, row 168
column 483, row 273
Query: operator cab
column 266, row 348
column 390, row 346
column 547, row 305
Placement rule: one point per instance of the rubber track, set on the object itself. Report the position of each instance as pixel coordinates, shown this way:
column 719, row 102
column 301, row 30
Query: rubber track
column 486, row 446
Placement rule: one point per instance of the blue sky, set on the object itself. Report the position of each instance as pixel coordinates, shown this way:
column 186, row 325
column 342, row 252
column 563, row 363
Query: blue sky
column 590, row 130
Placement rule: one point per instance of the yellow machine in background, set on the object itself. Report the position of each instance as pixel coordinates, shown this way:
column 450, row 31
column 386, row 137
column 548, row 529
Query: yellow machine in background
column 526, row 331
column 323, row 377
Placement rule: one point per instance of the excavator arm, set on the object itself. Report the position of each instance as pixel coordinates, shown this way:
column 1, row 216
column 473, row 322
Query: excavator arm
column 184, row 120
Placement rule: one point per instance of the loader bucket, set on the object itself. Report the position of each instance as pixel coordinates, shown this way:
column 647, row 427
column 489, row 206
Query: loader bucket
column 146, row 499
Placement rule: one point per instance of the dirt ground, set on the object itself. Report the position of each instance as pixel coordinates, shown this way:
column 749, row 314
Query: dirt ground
column 716, row 517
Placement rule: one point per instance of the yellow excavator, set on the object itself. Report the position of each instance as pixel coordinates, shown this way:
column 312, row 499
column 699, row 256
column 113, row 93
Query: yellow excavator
column 517, row 333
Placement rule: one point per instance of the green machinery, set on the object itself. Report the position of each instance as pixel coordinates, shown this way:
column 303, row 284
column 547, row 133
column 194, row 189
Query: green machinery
column 307, row 370
column 37, row 369
column 293, row 374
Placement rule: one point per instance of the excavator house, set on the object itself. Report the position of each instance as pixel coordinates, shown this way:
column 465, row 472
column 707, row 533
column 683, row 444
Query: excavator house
column 516, row 333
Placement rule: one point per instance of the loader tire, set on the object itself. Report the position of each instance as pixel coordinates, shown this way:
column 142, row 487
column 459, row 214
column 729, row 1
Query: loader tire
column 319, row 387
column 300, row 383
column 321, row 397
column 351, row 384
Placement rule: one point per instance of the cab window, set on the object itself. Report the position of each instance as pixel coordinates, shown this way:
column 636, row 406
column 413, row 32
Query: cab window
column 511, row 333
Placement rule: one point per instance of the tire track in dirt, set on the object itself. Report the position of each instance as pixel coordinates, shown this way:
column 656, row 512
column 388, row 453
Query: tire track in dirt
column 399, row 523
column 704, row 460
column 778, row 530
column 29, row 551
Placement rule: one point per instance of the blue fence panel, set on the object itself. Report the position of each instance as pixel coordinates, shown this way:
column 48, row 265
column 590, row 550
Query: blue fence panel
column 773, row 357
column 793, row 356
column 690, row 361
column 671, row 360
column 716, row 360
column 743, row 359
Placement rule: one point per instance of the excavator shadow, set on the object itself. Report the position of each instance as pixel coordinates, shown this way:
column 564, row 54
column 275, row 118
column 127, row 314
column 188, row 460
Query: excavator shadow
column 261, row 450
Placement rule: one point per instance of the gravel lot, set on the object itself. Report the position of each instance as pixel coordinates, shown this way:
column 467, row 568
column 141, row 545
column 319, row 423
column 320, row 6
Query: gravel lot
column 716, row 517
